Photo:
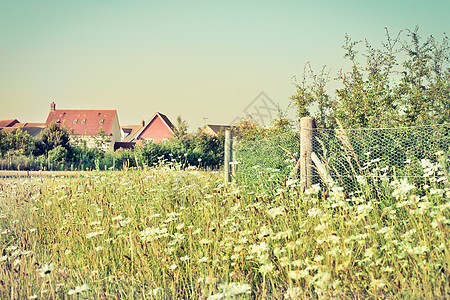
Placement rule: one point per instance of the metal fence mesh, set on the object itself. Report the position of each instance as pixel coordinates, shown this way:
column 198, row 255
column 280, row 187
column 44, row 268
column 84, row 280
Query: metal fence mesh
column 349, row 155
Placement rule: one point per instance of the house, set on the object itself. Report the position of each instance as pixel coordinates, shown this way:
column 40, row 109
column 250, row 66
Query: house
column 157, row 129
column 214, row 130
column 86, row 124
column 8, row 123
column 33, row 129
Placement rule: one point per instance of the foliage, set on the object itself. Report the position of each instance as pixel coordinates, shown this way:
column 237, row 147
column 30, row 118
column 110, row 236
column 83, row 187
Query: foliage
column 405, row 82
column 55, row 152
column 181, row 127
column 16, row 142
column 248, row 129
column 52, row 136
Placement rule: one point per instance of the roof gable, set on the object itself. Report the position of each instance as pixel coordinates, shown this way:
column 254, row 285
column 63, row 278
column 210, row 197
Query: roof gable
column 215, row 129
column 130, row 131
column 157, row 115
column 83, row 122
column 8, row 123
column 157, row 120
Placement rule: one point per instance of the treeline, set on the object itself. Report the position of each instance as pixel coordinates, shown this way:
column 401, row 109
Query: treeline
column 56, row 150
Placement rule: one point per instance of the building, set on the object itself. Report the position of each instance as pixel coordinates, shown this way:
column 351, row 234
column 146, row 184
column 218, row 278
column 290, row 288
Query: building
column 215, row 129
column 157, row 129
column 8, row 123
column 87, row 124
column 33, row 129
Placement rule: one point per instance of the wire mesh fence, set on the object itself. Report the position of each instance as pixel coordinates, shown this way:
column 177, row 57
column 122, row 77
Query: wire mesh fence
column 354, row 155
column 274, row 157
column 349, row 156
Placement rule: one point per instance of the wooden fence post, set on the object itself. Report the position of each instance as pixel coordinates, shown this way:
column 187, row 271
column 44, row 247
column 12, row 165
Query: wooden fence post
column 307, row 126
column 228, row 155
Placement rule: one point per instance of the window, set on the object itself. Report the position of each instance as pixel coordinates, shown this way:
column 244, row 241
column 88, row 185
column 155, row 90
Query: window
column 83, row 121
column 101, row 121
column 75, row 121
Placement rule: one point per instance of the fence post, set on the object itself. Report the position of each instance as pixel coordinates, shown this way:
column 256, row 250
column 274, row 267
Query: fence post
column 307, row 126
column 228, row 153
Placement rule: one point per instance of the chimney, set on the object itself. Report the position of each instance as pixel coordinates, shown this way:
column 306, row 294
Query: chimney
column 143, row 123
column 52, row 106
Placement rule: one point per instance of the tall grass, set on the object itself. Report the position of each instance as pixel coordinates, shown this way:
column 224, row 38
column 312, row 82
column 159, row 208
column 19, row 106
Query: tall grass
column 163, row 233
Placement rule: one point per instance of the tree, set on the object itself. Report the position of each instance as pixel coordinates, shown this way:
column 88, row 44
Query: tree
column 405, row 82
column 313, row 96
column 424, row 89
column 180, row 128
column 248, row 129
column 17, row 141
column 52, row 136
column 281, row 124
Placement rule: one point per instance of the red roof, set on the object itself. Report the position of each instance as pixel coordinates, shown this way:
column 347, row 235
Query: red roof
column 157, row 128
column 8, row 123
column 29, row 125
column 83, row 122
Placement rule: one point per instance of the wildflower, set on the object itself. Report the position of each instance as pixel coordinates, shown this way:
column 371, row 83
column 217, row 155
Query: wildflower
column 292, row 293
column 321, row 227
column 361, row 180
column 118, row 218
column 387, row 269
column 155, row 291
column 216, row 296
column 290, row 182
column 79, row 289
column 291, row 245
column 184, row 258
column 98, row 248
column 313, row 212
column 173, row 267
column 318, row 258
column 17, row 262
column 314, row 189
column 402, row 187
column 11, row 248
column 205, row 241
column 210, row 279
column 181, row 226
column 92, row 234
column 333, row 238
column 3, row 258
column 259, row 248
column 284, row 261
column 297, row 263
column 33, row 297
column 46, row 270
column 378, row 283
column 203, row 259
column 267, row 268
column 67, row 252
column 233, row 289
column 276, row 211
column 297, row 274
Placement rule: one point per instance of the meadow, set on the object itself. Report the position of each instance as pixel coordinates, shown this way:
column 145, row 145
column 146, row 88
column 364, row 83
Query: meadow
column 165, row 233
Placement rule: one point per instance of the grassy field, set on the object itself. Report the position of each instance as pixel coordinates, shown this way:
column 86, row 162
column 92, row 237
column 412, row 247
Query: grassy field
column 167, row 234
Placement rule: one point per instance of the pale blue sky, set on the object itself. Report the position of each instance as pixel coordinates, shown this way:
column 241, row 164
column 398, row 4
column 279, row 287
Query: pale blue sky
column 199, row 59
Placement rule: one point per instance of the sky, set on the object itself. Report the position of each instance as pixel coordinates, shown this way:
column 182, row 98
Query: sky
column 207, row 61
